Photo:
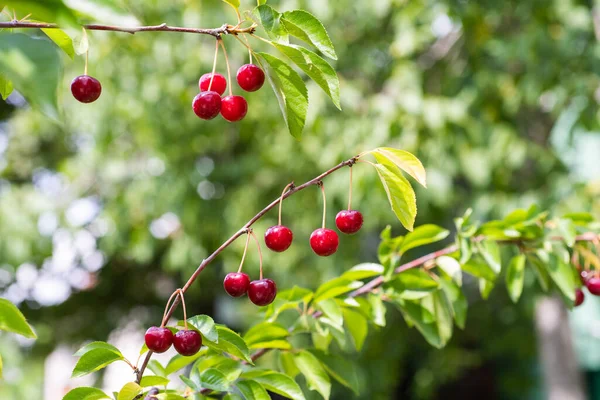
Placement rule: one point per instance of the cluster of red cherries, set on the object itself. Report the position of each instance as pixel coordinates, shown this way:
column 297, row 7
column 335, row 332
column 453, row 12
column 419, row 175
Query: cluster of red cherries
column 159, row 339
column 592, row 282
column 208, row 103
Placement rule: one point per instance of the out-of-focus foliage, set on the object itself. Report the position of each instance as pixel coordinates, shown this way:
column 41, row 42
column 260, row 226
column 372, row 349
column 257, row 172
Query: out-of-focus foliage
column 110, row 210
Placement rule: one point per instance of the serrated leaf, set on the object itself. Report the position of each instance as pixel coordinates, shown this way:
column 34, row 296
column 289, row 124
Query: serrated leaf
column 404, row 160
column 400, row 195
column 12, row 320
column 205, row 325
column 264, row 332
column 214, row 379
column 252, row 390
column 62, row 40
column 94, row 360
column 270, row 20
column 86, row 393
column 308, row 28
column 276, row 382
column 315, row 67
column 129, row 391
column 153, row 380
column 451, row 267
column 363, row 271
column 178, row 361
column 290, row 91
column 423, row 235
column 316, row 376
column 34, row 67
column 97, row 345
column 341, row 369
column 335, row 287
column 6, row 87
column 230, row 342
column 515, row 277
column 357, row 326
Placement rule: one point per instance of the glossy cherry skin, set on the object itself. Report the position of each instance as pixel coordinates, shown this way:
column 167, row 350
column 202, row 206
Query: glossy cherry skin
column 187, row 342
column 278, row 238
column 236, row 284
column 262, row 292
column 324, row 242
column 349, row 221
column 593, row 285
column 233, row 108
column 218, row 85
column 86, row 89
column 158, row 339
column 207, row 105
column 250, row 77
column 579, row 297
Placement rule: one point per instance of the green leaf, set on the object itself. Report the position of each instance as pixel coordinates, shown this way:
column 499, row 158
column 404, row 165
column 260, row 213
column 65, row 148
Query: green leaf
column 178, row 361
column 270, row 20
column 540, row 272
column 515, row 277
column 276, row 382
column 451, row 267
column 6, row 87
column 97, row 345
column 315, row 67
column 561, row 273
column 214, row 379
column 94, row 360
column 443, row 313
column 332, row 310
column 205, row 325
column 490, row 251
column 287, row 364
column 290, row 91
column 190, row 383
column 485, row 288
column 363, row 271
column 378, row 309
column 404, row 160
column 422, row 235
column 43, row 10
column 170, row 396
column 316, row 376
column 357, row 326
column 418, row 316
column 233, row 3
column 306, row 27
column 414, row 279
column 157, row 368
column 86, row 393
column 340, row 369
column 62, row 40
column 144, row 349
column 457, row 299
column 230, row 342
column 33, row 66
column 129, row 391
column 568, row 231
column 233, row 396
column 252, row 390
column 335, row 287
column 477, row 267
column 1, row 366
column 153, row 380
column 12, row 320
column 400, row 195
column 265, row 332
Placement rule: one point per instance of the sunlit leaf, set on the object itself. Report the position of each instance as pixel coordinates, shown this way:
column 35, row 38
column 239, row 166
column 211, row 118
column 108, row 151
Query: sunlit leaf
column 308, row 28
column 400, row 195
column 12, row 320
column 276, row 382
column 404, row 160
column 86, row 393
column 129, row 391
column 252, row 390
column 94, row 360
column 62, row 40
column 515, row 277
column 153, row 380
column 270, row 20
column 316, row 376
column 422, row 235
column 6, row 87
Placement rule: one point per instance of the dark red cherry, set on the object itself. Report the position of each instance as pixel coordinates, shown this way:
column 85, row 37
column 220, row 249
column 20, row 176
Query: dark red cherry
column 278, row 238
column 158, row 339
column 207, row 105
column 236, row 284
column 262, row 292
column 233, row 108
column 593, row 285
column 324, row 242
column 219, row 83
column 579, row 296
column 187, row 342
column 86, row 89
column 349, row 221
column 250, row 77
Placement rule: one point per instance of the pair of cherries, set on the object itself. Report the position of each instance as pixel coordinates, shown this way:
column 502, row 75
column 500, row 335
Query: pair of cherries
column 261, row 292
column 591, row 282
column 187, row 342
column 208, row 103
column 86, row 89
column 323, row 241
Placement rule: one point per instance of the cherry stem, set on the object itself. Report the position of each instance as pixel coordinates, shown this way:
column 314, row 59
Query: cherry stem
column 244, row 255
column 281, row 200
column 85, row 68
column 212, row 76
column 260, row 260
column 167, row 307
column 350, row 191
column 228, row 69
column 324, row 202
column 185, row 324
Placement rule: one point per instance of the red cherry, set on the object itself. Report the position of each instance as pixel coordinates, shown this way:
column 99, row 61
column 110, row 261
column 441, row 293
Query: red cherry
column 86, row 89
column 250, row 77
column 233, row 108
column 236, row 284
column 219, row 83
column 324, row 242
column 262, row 292
column 593, row 285
column 579, row 296
column 207, row 105
column 278, row 238
column 349, row 221
column 158, row 339
column 187, row 342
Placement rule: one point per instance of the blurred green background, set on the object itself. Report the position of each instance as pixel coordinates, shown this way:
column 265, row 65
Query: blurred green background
column 102, row 216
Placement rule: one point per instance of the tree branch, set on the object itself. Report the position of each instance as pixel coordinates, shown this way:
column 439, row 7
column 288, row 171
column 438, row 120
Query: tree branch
column 225, row 29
